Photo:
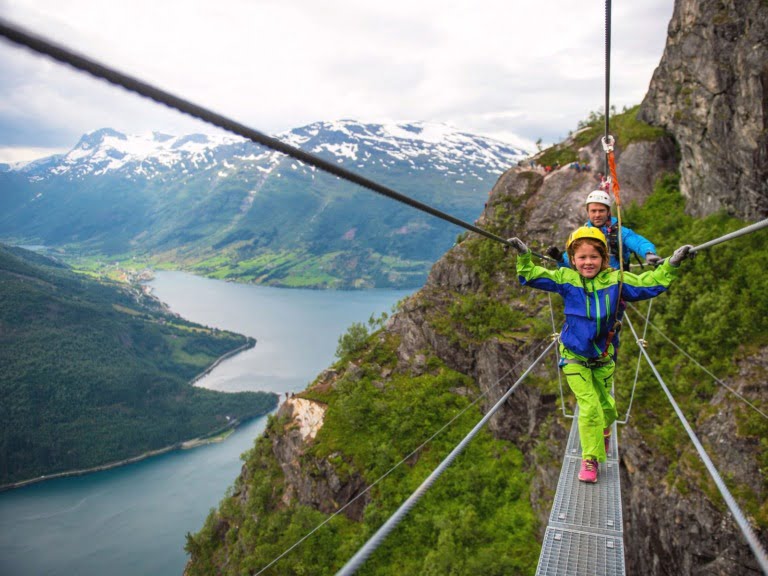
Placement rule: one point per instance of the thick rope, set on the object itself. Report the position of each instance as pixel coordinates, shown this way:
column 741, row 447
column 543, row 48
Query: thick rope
column 744, row 526
column 740, row 232
column 57, row 52
column 373, row 543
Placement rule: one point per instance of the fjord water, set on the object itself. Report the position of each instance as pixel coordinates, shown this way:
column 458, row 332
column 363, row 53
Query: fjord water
column 132, row 520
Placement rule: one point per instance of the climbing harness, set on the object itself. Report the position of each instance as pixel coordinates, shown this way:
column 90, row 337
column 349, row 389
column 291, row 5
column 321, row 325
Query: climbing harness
column 592, row 363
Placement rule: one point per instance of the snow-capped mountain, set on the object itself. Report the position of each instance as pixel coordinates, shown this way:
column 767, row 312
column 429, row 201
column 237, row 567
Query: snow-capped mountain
column 220, row 197
column 107, row 151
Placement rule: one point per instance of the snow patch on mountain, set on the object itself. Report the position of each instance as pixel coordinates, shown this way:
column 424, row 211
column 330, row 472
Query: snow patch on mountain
column 147, row 156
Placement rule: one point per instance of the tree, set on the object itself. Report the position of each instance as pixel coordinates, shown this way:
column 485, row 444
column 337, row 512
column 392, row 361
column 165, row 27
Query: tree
column 353, row 340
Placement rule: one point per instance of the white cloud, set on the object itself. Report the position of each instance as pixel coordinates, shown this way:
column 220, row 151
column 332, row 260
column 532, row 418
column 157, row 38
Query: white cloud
column 512, row 70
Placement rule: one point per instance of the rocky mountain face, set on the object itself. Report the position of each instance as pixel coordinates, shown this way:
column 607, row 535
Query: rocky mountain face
column 671, row 526
column 711, row 92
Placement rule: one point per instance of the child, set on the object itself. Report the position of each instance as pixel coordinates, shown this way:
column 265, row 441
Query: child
column 591, row 292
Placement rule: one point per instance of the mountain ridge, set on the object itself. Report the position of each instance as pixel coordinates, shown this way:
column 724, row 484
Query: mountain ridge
column 222, row 206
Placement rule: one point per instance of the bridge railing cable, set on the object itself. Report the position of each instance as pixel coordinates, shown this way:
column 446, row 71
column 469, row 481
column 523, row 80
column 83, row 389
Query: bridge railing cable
column 735, row 234
column 744, row 526
column 703, row 368
column 402, row 461
column 64, row 55
column 556, row 336
column 374, row 541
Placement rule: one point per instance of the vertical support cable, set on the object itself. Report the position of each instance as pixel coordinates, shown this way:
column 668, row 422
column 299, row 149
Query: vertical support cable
column 607, row 73
column 738, row 515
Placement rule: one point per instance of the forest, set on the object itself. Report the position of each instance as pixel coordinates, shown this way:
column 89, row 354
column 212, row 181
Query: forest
column 95, row 371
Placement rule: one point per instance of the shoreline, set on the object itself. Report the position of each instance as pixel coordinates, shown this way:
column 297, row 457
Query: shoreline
column 215, row 436
column 218, row 435
column 250, row 343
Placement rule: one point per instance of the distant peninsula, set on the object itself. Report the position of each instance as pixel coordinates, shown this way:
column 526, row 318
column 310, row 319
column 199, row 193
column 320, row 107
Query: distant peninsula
column 97, row 373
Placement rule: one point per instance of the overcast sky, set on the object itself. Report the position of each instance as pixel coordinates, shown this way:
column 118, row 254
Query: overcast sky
column 509, row 69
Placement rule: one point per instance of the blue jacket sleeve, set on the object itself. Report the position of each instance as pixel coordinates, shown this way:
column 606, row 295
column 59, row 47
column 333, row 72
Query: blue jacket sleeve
column 539, row 277
column 648, row 284
column 636, row 243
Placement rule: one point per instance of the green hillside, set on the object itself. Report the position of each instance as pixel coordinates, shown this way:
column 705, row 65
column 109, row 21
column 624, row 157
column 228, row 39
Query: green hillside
column 95, row 372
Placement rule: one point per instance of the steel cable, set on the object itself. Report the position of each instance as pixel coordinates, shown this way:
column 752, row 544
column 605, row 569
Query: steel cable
column 62, row 54
column 374, row 541
column 744, row 526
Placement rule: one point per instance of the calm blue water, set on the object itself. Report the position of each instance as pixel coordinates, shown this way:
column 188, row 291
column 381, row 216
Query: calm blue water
column 132, row 520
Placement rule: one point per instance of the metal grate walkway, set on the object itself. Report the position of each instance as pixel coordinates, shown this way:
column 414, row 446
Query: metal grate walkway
column 585, row 532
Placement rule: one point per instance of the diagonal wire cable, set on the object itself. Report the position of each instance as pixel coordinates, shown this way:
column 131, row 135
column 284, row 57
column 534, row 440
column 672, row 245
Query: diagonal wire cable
column 370, row 546
column 556, row 335
column 62, row 54
column 704, row 368
column 640, row 343
column 393, row 468
column 744, row 526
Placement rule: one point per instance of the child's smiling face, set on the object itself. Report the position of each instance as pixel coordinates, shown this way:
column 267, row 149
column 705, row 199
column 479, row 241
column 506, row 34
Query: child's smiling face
column 587, row 260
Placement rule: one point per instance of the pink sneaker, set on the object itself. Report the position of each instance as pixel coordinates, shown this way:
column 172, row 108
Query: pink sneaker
column 607, row 439
column 588, row 472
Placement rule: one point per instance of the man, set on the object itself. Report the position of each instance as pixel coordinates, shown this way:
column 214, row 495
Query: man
column 598, row 205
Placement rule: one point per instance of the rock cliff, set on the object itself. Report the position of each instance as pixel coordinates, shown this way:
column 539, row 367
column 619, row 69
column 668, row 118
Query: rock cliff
column 711, row 92
column 671, row 527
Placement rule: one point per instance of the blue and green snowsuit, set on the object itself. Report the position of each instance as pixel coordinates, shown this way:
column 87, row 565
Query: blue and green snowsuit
column 590, row 307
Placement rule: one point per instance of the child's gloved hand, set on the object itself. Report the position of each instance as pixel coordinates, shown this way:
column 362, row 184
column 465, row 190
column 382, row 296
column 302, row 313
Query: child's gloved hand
column 680, row 254
column 653, row 259
column 555, row 253
column 517, row 244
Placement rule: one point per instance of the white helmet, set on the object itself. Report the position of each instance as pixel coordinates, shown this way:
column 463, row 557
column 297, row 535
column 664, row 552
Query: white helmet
column 599, row 197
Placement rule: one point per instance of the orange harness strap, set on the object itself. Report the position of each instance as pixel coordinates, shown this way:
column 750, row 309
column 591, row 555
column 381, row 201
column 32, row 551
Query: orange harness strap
column 608, row 144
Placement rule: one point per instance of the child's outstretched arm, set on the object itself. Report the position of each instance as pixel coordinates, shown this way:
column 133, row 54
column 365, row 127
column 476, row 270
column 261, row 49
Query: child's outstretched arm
column 532, row 275
column 654, row 282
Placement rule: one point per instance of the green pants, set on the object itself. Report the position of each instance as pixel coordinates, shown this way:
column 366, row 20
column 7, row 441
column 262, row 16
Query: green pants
column 597, row 408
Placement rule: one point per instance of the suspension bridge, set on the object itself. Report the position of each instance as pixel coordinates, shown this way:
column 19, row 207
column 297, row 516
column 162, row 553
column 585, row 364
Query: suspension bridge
column 585, row 530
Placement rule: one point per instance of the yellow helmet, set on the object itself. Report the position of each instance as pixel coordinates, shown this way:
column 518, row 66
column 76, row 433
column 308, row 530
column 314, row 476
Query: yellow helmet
column 586, row 232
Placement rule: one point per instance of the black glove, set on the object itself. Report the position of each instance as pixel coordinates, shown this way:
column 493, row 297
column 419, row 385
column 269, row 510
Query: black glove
column 555, row 253
column 517, row 244
column 653, row 259
column 680, row 254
